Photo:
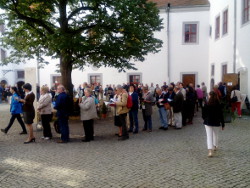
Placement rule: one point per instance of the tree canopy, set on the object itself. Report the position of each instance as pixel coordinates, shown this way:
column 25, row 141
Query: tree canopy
column 81, row 32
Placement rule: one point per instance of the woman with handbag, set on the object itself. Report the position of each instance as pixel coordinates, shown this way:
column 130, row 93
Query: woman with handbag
column 45, row 110
column 213, row 119
column 28, row 111
column 16, row 110
column 236, row 100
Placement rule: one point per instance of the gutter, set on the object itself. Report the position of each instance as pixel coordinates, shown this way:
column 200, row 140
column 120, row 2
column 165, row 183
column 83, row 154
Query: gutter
column 168, row 43
column 235, row 37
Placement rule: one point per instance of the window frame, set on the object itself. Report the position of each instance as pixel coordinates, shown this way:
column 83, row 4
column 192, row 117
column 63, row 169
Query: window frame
column 95, row 74
column 245, row 11
column 225, row 22
column 217, row 27
column 184, row 33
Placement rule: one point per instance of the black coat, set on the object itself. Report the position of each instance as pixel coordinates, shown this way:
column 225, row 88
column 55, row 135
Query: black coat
column 178, row 102
column 213, row 115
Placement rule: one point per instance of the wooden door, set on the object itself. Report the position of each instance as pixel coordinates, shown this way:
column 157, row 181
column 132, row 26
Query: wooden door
column 187, row 79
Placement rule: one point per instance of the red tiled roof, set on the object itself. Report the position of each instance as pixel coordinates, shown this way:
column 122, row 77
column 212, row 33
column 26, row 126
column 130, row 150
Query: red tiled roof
column 163, row 3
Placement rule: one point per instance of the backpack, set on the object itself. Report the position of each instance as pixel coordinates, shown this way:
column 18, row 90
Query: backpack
column 129, row 102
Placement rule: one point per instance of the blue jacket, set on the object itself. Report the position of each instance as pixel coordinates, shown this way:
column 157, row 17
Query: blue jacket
column 62, row 105
column 16, row 106
column 135, row 101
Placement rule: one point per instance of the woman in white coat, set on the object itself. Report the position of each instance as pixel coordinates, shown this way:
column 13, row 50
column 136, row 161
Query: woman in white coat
column 88, row 113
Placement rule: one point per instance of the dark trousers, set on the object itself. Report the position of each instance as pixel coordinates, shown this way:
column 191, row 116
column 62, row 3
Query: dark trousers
column 19, row 119
column 64, row 127
column 147, row 121
column 133, row 118
column 46, row 125
column 124, row 126
column 88, row 126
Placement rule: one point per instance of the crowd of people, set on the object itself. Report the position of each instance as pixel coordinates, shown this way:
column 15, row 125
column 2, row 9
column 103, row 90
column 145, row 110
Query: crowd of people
column 176, row 105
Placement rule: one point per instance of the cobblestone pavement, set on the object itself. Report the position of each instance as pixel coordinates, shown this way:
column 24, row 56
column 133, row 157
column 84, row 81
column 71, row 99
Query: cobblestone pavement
column 173, row 158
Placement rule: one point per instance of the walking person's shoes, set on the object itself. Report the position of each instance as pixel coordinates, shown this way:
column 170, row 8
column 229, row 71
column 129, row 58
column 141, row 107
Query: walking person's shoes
column 30, row 141
column 210, row 153
column 123, row 138
column 165, row 128
column 4, row 131
column 23, row 132
column 161, row 127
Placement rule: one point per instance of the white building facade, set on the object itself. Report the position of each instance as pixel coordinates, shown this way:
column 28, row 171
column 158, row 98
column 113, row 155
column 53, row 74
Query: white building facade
column 202, row 41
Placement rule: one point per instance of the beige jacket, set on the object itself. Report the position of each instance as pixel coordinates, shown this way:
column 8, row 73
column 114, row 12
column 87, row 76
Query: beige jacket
column 88, row 108
column 121, row 104
column 44, row 106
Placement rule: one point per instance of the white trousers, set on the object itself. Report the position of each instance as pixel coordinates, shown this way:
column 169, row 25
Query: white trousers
column 212, row 136
column 178, row 120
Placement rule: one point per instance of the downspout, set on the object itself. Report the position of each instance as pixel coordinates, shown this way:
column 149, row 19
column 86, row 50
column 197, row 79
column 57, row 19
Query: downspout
column 235, row 37
column 168, row 43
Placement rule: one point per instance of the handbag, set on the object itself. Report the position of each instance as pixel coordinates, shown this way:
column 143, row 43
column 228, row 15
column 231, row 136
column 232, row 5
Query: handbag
column 234, row 99
column 167, row 106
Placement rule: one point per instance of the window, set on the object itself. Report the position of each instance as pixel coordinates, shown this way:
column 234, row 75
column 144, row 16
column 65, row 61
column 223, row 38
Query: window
column 1, row 28
column 217, row 27
column 190, row 33
column 134, row 79
column 20, row 74
column 225, row 22
column 224, row 70
column 94, row 79
column 246, row 10
column 3, row 54
column 212, row 70
column 56, row 80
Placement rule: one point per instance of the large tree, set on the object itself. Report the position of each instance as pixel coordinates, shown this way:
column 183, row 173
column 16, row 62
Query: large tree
column 81, row 32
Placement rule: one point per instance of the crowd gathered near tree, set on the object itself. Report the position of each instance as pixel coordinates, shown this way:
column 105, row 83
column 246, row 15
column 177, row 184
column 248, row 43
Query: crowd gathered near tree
column 176, row 105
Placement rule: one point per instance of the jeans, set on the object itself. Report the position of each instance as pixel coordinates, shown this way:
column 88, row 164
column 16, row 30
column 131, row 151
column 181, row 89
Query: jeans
column 46, row 125
column 212, row 136
column 88, row 126
column 133, row 118
column 64, row 127
column 12, row 119
column 147, row 121
column 163, row 117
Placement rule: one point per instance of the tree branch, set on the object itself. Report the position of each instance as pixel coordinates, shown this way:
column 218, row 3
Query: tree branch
column 73, row 13
column 29, row 19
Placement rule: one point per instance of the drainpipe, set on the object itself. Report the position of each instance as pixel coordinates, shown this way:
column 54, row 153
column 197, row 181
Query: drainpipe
column 168, row 42
column 235, row 37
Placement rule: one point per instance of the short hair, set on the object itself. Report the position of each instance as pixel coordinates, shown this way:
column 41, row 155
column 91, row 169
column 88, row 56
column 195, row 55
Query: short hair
column 88, row 90
column 145, row 88
column 61, row 86
column 119, row 87
column 27, row 86
column 45, row 89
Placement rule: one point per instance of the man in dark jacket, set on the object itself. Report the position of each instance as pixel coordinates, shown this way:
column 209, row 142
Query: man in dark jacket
column 62, row 107
column 161, row 99
column 133, row 113
column 177, row 107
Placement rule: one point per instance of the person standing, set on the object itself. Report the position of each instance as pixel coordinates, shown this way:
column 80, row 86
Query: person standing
column 44, row 108
column 161, row 99
column 62, row 107
column 122, row 110
column 236, row 104
column 88, row 113
column 213, row 119
column 133, row 113
column 178, row 107
column 204, row 91
column 147, row 111
column 1, row 93
column 199, row 96
column 16, row 110
column 28, row 111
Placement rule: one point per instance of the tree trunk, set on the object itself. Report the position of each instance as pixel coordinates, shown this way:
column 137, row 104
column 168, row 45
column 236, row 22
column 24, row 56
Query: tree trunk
column 66, row 69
